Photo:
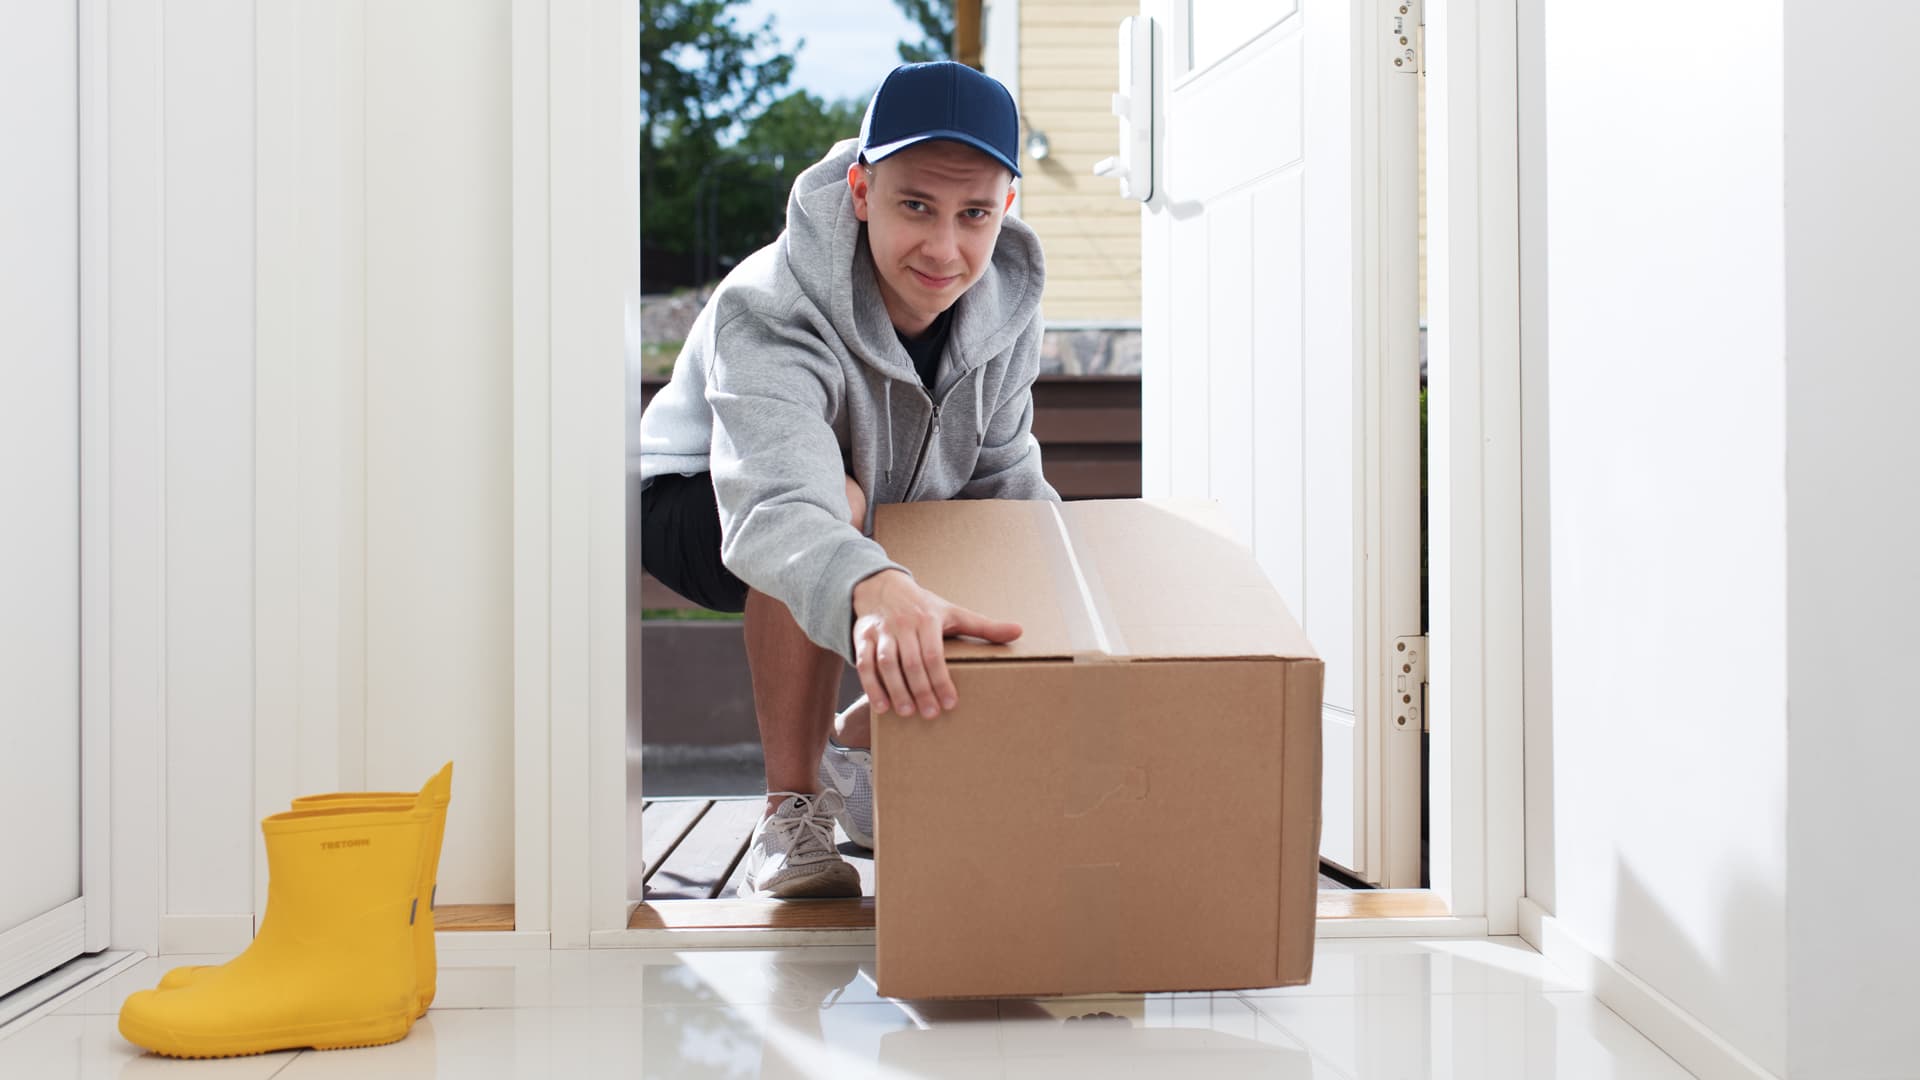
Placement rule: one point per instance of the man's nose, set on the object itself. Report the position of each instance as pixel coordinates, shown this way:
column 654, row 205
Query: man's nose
column 943, row 244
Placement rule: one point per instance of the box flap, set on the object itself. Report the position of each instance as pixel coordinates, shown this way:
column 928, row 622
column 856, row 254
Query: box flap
column 1139, row 579
column 1170, row 580
column 1005, row 559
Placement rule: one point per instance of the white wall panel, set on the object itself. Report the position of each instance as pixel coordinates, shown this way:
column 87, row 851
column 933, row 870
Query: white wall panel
column 208, row 268
column 1665, row 342
column 438, row 447
column 303, row 243
column 1853, row 525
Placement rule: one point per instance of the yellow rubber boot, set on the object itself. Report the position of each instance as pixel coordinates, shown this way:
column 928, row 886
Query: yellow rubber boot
column 437, row 792
column 332, row 965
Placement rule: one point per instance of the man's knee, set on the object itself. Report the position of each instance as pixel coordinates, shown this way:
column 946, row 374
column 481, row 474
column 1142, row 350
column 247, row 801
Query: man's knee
column 856, row 504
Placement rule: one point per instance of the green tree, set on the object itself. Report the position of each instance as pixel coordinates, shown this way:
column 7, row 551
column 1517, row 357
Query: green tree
column 799, row 128
column 746, row 208
column 935, row 20
column 702, row 73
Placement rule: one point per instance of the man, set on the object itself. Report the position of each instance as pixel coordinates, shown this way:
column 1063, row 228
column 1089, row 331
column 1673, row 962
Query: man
column 882, row 350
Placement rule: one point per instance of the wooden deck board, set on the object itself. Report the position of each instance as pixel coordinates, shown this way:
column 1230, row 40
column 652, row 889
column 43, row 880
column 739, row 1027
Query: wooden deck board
column 698, row 866
column 663, row 824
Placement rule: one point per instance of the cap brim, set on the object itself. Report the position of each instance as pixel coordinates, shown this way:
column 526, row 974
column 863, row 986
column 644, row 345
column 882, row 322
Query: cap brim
column 878, row 153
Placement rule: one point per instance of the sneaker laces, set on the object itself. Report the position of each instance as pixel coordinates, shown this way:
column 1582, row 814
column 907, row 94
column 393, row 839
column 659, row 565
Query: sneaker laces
column 813, row 822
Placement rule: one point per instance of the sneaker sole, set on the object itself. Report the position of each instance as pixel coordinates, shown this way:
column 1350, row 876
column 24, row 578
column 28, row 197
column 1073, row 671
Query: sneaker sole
column 832, row 882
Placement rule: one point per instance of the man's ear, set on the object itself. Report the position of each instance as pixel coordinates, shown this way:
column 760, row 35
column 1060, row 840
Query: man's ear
column 859, row 177
column 1010, row 194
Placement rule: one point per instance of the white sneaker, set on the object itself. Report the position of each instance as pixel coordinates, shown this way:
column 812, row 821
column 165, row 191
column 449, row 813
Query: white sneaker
column 792, row 854
column 850, row 772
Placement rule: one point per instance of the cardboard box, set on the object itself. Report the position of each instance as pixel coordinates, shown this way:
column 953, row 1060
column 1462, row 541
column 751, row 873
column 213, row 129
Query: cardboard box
column 1127, row 798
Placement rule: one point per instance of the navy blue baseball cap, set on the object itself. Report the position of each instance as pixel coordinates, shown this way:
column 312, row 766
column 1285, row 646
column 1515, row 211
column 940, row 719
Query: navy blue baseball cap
column 941, row 100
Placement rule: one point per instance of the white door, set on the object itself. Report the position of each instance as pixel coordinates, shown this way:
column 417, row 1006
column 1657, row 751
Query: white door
column 42, row 918
column 1281, row 365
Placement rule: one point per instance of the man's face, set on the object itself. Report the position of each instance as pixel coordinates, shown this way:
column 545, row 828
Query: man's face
column 933, row 212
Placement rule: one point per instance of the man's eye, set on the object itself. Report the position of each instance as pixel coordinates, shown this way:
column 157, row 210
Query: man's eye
column 914, row 205
column 976, row 214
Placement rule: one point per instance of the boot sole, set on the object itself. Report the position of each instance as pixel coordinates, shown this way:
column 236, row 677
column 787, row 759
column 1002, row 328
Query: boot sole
column 420, row 1005
column 343, row 1035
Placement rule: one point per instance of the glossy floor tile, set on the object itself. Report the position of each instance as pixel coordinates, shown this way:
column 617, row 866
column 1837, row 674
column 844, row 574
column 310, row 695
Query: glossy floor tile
column 1487, row 1009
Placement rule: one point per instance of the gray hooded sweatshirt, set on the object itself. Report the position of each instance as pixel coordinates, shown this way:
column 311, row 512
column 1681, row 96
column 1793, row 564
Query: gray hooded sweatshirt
column 792, row 377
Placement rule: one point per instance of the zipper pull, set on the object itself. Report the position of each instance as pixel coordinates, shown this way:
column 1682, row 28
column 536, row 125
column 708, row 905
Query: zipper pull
column 936, row 419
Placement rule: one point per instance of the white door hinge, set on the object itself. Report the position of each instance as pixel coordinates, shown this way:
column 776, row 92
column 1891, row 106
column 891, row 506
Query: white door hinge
column 1403, row 23
column 1408, row 662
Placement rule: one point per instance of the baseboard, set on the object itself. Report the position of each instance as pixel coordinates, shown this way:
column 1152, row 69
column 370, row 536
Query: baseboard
column 1684, row 1038
column 204, row 933
column 474, row 940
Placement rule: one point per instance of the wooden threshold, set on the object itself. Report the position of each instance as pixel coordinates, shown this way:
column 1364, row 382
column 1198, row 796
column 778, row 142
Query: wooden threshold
column 1381, row 904
column 692, row 863
column 461, row 917
column 854, row 914
column 859, row 914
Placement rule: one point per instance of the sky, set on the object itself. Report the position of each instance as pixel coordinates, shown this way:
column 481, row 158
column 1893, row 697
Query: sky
column 850, row 44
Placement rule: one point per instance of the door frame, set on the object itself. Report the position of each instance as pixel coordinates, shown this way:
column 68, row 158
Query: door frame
column 83, row 924
column 1474, row 439
column 123, row 603
column 576, row 292
column 96, row 492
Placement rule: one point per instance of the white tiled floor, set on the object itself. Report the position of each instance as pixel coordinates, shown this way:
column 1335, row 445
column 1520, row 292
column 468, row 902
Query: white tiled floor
column 1482, row 1009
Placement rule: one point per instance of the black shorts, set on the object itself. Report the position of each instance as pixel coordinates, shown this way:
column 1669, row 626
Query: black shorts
column 680, row 542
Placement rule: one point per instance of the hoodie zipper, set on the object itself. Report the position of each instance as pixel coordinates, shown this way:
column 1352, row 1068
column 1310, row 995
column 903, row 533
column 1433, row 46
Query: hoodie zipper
column 933, row 428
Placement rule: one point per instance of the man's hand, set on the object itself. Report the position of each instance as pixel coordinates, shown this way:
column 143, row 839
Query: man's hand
column 898, row 634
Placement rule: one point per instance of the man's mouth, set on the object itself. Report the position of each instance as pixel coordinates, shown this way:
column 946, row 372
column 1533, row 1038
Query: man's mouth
column 932, row 282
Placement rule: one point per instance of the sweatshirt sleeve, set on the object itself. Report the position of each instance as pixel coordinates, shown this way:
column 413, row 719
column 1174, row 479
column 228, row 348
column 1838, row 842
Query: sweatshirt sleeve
column 778, row 476
column 1009, row 464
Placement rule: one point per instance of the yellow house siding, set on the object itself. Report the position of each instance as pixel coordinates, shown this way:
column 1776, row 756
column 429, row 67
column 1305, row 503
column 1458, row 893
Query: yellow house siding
column 1068, row 73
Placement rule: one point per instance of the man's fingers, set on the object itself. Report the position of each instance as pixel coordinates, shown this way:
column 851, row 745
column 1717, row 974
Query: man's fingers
column 913, row 661
column 887, row 659
column 974, row 624
column 938, row 675
column 863, row 663
column 870, row 686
